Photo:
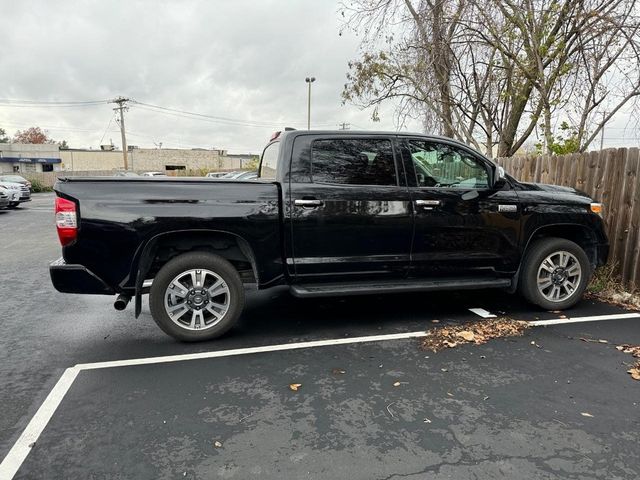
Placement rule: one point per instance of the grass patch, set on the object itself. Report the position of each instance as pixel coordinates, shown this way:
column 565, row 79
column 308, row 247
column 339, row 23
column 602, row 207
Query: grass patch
column 607, row 286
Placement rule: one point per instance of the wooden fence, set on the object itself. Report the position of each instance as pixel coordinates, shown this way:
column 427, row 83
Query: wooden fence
column 610, row 176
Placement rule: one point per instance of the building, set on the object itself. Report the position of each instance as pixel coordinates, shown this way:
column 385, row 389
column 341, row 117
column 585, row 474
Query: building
column 24, row 158
column 28, row 158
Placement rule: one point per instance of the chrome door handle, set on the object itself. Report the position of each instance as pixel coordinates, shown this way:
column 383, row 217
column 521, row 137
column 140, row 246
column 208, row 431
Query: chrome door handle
column 308, row 203
column 428, row 203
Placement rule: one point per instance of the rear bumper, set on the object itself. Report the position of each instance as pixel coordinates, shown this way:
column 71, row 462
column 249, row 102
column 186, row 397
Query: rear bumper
column 77, row 279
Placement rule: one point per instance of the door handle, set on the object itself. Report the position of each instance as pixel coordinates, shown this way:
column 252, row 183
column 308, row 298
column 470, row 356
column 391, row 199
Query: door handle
column 429, row 204
column 308, row 203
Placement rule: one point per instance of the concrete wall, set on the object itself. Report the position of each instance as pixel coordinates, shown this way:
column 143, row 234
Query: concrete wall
column 144, row 159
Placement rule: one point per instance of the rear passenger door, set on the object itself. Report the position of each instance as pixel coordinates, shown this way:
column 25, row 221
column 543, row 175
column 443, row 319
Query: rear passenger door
column 349, row 209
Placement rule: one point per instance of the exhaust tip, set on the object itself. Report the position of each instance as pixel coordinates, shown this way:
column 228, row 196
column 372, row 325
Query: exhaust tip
column 121, row 302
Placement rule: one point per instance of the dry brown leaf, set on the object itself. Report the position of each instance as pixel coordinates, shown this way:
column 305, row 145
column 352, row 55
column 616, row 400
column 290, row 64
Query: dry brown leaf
column 467, row 335
column 635, row 372
column 338, row 371
column 295, row 386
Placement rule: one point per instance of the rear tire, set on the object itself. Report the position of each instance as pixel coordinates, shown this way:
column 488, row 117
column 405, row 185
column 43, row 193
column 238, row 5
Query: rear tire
column 196, row 296
column 555, row 273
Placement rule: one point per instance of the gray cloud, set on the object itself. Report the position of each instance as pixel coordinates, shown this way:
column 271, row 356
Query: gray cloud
column 236, row 59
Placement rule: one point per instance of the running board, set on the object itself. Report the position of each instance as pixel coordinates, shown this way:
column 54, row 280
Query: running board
column 402, row 286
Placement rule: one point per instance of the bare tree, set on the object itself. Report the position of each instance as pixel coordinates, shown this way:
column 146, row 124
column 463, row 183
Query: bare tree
column 489, row 72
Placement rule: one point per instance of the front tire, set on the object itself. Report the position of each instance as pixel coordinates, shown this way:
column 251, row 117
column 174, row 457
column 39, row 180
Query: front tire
column 555, row 273
column 196, row 296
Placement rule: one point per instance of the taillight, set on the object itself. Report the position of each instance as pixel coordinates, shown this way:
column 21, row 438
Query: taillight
column 66, row 220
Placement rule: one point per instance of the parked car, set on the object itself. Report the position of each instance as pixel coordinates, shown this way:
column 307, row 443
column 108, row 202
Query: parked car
column 215, row 174
column 15, row 179
column 247, row 176
column 153, row 174
column 232, row 175
column 19, row 193
column 333, row 213
column 5, row 195
column 124, row 173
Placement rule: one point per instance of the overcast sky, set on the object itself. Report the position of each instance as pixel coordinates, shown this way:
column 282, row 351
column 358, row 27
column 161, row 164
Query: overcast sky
column 242, row 60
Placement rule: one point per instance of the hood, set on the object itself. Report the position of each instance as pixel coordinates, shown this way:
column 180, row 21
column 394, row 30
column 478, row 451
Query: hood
column 547, row 187
column 11, row 185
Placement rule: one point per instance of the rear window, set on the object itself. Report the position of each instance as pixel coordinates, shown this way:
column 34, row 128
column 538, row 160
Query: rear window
column 269, row 163
column 358, row 161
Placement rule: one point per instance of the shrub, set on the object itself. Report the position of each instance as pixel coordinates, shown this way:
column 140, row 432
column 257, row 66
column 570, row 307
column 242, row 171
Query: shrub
column 37, row 186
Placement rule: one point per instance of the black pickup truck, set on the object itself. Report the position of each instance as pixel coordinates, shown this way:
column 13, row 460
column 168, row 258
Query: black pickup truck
column 332, row 213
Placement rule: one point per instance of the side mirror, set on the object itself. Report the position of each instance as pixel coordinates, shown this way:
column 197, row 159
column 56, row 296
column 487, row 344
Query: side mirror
column 500, row 178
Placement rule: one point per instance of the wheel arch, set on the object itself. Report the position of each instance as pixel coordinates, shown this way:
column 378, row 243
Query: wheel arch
column 579, row 234
column 167, row 245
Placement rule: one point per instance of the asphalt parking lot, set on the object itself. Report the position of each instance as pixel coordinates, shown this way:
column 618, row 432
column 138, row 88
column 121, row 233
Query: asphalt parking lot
column 542, row 406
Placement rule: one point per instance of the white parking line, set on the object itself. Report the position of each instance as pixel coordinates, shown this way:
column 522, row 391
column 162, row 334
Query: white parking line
column 23, row 445
column 36, row 425
column 482, row 312
column 593, row 318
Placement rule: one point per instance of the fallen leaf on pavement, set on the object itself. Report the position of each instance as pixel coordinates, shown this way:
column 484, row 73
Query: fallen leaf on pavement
column 635, row 372
column 467, row 335
column 217, row 444
column 396, row 384
column 338, row 371
column 295, row 386
column 478, row 332
column 585, row 414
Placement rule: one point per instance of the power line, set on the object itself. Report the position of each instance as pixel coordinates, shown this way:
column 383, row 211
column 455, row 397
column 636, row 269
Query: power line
column 214, row 118
column 5, row 102
column 107, row 129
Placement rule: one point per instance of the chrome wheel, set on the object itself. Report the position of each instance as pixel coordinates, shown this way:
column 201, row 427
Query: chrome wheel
column 197, row 299
column 559, row 276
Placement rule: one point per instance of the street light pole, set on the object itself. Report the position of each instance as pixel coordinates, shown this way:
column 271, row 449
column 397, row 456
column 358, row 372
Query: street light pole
column 309, row 80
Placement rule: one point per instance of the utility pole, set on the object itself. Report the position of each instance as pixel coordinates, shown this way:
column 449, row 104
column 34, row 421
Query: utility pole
column 309, row 80
column 122, row 106
column 604, row 114
column 344, row 126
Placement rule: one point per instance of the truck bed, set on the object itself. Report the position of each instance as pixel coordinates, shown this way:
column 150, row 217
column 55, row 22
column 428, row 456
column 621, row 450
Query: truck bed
column 118, row 217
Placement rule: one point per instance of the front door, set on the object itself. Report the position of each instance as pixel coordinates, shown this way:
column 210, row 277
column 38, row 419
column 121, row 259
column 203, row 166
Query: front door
column 463, row 226
column 349, row 209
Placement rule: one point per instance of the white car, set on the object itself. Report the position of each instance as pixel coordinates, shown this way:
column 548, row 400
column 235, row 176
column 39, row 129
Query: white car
column 153, row 174
column 16, row 193
column 5, row 195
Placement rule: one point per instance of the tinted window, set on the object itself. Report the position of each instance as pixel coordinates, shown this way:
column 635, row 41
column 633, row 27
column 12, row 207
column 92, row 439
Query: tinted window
column 269, row 163
column 443, row 166
column 353, row 161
